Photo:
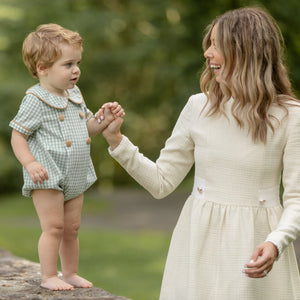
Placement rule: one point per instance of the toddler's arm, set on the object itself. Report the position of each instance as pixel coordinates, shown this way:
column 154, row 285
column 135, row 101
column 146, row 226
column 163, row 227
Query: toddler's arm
column 36, row 170
column 105, row 115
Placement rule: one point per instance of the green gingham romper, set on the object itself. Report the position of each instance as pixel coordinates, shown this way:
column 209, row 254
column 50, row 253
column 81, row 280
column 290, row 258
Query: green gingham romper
column 58, row 139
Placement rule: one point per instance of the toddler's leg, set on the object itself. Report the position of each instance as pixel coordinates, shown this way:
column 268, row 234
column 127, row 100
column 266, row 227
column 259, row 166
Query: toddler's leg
column 49, row 205
column 69, row 247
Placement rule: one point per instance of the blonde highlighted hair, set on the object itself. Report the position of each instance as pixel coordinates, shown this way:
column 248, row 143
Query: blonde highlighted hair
column 253, row 72
column 43, row 45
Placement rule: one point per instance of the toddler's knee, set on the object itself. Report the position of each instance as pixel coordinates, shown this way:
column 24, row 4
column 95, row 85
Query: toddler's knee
column 71, row 230
column 56, row 230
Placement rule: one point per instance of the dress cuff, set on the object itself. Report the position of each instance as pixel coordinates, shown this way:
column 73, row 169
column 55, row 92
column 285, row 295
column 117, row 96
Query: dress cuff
column 279, row 248
column 120, row 145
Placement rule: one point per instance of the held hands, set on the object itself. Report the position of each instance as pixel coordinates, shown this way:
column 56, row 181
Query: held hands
column 112, row 114
column 109, row 111
column 105, row 115
column 262, row 260
column 37, row 172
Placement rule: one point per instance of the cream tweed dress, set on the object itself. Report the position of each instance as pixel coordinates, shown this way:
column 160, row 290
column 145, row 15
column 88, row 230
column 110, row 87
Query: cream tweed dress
column 58, row 138
column 233, row 207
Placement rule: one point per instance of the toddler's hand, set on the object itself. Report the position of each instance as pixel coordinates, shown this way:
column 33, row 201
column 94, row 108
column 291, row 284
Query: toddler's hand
column 37, row 172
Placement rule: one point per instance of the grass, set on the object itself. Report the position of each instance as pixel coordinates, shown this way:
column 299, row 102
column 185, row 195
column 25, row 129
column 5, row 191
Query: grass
column 124, row 263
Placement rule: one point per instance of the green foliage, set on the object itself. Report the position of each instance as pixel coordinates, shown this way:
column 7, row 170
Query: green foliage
column 145, row 54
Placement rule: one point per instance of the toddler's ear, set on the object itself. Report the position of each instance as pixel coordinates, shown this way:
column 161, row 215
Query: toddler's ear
column 41, row 69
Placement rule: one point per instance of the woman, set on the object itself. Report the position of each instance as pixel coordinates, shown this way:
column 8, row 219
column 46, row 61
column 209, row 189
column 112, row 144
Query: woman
column 233, row 237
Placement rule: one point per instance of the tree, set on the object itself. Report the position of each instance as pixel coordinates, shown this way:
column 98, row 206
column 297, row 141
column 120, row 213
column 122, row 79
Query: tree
column 145, row 54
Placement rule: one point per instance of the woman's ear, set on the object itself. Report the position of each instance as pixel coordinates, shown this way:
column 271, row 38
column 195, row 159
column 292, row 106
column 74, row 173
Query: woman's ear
column 41, row 69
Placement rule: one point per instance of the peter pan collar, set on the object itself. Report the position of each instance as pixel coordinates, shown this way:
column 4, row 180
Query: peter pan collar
column 56, row 101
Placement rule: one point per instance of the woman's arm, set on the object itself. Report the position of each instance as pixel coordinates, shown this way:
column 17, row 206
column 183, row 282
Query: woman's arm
column 160, row 178
column 289, row 226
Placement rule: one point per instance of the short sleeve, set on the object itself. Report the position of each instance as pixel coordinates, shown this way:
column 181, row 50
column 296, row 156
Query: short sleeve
column 29, row 116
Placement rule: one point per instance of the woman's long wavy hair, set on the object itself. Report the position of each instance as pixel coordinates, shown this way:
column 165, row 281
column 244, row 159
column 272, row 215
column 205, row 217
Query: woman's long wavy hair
column 253, row 72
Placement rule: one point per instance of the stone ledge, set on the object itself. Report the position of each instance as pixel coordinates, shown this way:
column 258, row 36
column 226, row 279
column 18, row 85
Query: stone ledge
column 20, row 279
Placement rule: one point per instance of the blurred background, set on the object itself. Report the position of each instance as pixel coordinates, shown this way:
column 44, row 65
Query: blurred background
column 147, row 55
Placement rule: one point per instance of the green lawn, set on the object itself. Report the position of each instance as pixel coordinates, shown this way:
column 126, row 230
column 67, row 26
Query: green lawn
column 124, row 263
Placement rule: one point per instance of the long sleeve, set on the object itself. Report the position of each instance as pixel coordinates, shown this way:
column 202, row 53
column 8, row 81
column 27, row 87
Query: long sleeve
column 160, row 178
column 289, row 225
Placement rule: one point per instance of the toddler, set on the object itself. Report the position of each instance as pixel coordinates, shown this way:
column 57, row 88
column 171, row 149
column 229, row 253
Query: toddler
column 51, row 138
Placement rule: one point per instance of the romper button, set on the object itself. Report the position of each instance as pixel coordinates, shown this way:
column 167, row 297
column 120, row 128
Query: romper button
column 200, row 190
column 61, row 117
column 68, row 143
column 89, row 140
column 81, row 114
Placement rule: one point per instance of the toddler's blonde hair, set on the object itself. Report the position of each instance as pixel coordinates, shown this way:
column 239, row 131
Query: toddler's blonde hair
column 43, row 45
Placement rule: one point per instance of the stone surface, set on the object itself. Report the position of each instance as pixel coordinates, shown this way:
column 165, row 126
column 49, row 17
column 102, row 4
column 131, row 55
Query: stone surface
column 20, row 279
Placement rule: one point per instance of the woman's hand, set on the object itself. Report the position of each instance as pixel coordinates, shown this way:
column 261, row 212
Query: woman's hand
column 262, row 260
column 112, row 133
column 117, row 110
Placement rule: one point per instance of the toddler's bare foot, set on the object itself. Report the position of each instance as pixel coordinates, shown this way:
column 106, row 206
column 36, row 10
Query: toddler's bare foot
column 78, row 281
column 56, row 284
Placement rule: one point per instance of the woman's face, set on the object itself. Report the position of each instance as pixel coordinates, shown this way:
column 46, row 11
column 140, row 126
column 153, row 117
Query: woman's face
column 213, row 55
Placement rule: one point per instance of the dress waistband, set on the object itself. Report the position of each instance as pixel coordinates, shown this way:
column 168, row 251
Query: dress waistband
column 265, row 197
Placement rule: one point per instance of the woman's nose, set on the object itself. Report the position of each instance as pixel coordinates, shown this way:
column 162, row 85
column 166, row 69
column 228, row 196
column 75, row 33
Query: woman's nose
column 208, row 53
